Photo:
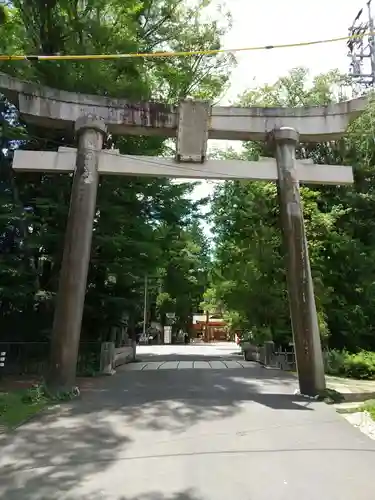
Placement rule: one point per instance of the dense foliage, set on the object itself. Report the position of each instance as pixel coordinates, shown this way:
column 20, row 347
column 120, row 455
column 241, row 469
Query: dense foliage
column 360, row 365
column 248, row 277
column 144, row 226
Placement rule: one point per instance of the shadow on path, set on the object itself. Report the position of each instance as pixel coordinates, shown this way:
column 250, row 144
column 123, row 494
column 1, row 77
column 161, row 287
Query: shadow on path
column 51, row 454
column 175, row 400
column 187, row 494
column 132, row 413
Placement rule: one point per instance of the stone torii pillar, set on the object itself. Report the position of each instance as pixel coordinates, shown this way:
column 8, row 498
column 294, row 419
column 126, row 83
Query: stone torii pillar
column 76, row 257
column 302, row 306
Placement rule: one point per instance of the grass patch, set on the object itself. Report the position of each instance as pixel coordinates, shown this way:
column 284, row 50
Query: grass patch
column 370, row 407
column 17, row 406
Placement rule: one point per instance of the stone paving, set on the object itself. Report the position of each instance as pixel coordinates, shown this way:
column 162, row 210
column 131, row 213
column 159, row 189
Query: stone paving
column 352, row 390
column 189, row 365
column 223, row 356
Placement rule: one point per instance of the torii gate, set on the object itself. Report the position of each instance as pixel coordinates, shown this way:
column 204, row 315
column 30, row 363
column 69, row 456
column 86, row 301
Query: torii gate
column 193, row 122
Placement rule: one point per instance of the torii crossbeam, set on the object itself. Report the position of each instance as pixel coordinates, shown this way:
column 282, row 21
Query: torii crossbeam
column 110, row 162
column 193, row 122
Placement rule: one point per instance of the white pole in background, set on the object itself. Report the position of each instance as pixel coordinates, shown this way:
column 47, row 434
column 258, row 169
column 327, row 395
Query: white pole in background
column 371, row 41
column 145, row 306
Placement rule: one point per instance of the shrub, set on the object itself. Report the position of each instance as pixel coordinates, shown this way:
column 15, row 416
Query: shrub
column 35, row 395
column 334, row 361
column 360, row 365
column 257, row 335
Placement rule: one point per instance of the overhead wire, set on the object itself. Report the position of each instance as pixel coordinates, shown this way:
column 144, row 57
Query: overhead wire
column 186, row 53
column 73, row 57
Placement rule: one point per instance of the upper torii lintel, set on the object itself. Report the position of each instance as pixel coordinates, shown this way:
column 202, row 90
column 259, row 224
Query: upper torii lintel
column 53, row 108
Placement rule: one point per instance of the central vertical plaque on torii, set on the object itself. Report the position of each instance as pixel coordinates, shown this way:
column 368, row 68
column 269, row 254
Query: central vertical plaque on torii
column 192, row 131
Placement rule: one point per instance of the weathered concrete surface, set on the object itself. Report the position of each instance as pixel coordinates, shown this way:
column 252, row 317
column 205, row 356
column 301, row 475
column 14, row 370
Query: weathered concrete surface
column 59, row 109
column 110, row 162
column 352, row 390
column 123, row 355
column 189, row 435
column 303, row 314
column 362, row 420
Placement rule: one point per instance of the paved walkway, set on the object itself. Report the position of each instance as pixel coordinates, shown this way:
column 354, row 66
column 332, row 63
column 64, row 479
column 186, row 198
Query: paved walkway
column 219, row 356
column 189, row 365
column 189, row 434
column 226, row 356
column 352, row 390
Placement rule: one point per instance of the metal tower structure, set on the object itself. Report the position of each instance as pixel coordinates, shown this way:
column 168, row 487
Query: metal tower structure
column 362, row 51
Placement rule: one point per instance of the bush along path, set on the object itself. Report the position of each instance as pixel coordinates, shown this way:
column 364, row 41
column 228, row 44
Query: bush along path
column 360, row 365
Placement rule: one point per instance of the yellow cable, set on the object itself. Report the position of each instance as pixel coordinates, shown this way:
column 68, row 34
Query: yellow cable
column 176, row 54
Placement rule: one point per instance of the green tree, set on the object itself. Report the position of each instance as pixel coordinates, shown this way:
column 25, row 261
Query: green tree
column 184, row 274
column 128, row 242
column 249, row 279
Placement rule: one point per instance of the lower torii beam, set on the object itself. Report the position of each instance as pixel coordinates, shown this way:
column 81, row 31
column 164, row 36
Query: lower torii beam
column 112, row 163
